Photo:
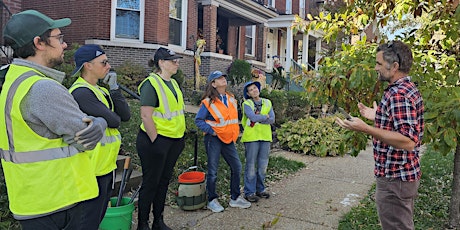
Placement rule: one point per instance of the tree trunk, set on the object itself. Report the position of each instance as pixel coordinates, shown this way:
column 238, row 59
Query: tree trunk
column 454, row 213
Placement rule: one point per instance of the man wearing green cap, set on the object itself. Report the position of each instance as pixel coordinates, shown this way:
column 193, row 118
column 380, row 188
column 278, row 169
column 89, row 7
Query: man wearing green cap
column 43, row 133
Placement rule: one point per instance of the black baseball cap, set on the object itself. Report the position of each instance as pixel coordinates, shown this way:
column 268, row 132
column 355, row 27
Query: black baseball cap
column 165, row 54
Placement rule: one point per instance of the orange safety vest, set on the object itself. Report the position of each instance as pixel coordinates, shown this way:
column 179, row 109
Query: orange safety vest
column 226, row 119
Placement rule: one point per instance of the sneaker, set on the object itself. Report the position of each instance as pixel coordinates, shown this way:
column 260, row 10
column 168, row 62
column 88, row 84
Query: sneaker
column 240, row 202
column 252, row 198
column 263, row 194
column 215, row 206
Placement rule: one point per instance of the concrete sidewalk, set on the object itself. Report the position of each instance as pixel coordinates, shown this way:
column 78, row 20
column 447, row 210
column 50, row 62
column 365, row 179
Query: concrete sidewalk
column 313, row 198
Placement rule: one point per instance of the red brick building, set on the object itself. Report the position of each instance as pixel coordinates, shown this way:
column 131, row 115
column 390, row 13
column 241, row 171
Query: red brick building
column 253, row 30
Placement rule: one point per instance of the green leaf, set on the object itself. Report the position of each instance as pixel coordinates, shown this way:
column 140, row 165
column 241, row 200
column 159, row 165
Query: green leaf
column 450, row 137
column 430, row 115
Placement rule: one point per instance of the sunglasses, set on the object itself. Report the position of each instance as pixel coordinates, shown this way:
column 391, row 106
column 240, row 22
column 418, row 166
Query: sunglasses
column 104, row 62
column 391, row 46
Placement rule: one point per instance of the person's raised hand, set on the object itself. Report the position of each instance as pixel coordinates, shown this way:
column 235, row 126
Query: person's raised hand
column 367, row 112
column 111, row 80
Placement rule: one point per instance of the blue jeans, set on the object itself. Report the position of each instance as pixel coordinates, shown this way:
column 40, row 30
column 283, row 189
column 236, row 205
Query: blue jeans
column 214, row 148
column 256, row 166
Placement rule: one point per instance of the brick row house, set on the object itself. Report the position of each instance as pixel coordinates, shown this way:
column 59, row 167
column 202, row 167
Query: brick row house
column 254, row 30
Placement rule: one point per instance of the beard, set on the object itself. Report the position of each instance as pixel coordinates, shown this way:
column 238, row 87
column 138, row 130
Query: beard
column 383, row 77
column 53, row 62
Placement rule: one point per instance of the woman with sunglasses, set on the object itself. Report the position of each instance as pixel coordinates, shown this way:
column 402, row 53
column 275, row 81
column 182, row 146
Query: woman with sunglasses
column 160, row 140
column 111, row 105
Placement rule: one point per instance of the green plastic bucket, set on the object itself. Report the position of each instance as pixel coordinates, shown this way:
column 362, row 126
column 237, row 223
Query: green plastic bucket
column 118, row 218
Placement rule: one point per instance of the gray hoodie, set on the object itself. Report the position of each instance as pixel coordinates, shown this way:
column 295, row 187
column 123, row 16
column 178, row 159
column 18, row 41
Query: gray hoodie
column 49, row 109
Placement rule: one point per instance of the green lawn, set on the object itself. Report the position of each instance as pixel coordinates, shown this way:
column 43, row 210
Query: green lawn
column 431, row 207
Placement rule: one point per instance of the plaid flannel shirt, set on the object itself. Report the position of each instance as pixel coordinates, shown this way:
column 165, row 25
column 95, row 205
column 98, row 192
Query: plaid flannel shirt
column 400, row 110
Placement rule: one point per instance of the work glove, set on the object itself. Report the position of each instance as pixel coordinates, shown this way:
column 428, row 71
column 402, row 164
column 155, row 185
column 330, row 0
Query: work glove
column 111, row 80
column 93, row 133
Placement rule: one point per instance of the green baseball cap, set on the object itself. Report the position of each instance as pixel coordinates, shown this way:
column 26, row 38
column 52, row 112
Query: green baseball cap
column 23, row 27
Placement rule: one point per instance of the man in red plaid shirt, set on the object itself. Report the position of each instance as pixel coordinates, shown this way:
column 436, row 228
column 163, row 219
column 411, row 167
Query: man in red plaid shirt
column 397, row 134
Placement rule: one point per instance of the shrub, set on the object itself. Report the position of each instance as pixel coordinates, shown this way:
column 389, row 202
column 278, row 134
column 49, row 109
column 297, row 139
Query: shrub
column 130, row 75
column 279, row 78
column 6, row 217
column 319, row 137
column 179, row 77
column 298, row 105
column 239, row 72
column 280, row 104
column 68, row 65
column 195, row 97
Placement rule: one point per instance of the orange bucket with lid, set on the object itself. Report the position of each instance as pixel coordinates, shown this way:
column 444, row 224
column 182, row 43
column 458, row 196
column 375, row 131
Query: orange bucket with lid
column 191, row 177
column 191, row 194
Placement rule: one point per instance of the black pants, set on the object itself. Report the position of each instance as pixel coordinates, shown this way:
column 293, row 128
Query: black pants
column 157, row 160
column 69, row 219
column 96, row 207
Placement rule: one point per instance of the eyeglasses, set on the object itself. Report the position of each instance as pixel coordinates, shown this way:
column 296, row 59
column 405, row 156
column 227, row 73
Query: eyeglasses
column 60, row 37
column 391, row 46
column 105, row 62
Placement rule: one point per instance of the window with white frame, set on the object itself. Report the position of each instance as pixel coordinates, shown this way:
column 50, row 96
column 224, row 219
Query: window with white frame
column 128, row 19
column 271, row 3
column 249, row 40
column 176, row 22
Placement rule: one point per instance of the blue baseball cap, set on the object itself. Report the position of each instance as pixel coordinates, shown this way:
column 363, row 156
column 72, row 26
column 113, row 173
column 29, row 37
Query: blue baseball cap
column 214, row 75
column 245, row 88
column 85, row 54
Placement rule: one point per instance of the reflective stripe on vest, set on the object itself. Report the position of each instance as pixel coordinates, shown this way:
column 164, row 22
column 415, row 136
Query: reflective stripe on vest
column 104, row 155
column 99, row 93
column 169, row 116
column 222, row 122
column 259, row 132
column 168, row 113
column 225, row 123
column 42, row 175
column 33, row 156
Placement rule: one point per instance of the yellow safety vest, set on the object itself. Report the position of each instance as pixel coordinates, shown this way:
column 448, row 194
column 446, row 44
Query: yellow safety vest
column 259, row 132
column 225, row 123
column 42, row 175
column 104, row 155
column 169, row 117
